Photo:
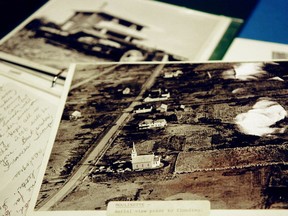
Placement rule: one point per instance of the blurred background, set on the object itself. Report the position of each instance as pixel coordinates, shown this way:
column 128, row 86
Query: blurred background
column 264, row 19
column 13, row 12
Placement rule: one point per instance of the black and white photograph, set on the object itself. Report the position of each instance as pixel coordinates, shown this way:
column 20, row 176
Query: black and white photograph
column 212, row 131
column 63, row 32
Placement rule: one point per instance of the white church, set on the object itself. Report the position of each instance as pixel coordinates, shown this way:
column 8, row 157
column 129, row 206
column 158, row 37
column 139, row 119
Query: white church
column 141, row 162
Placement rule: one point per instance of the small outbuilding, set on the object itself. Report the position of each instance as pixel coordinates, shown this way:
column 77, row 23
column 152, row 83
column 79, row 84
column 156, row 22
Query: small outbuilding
column 75, row 115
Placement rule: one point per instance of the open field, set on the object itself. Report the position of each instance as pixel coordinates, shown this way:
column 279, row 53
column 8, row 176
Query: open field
column 76, row 138
column 242, row 189
column 205, row 153
column 232, row 158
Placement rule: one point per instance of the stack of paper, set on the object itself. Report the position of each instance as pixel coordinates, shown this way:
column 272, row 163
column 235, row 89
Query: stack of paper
column 101, row 103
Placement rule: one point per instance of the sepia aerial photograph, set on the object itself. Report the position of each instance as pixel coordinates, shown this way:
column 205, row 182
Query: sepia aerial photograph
column 101, row 30
column 171, row 131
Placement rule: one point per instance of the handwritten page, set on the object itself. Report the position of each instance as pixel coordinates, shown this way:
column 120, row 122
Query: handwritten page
column 25, row 123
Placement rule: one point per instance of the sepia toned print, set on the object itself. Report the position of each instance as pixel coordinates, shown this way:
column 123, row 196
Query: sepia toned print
column 65, row 32
column 134, row 132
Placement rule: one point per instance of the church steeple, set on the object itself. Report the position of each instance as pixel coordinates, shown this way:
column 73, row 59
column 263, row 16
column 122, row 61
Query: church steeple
column 134, row 152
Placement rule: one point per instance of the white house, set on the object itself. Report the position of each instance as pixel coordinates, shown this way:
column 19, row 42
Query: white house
column 126, row 91
column 141, row 162
column 144, row 109
column 157, row 95
column 170, row 74
column 162, row 108
column 150, row 124
column 75, row 115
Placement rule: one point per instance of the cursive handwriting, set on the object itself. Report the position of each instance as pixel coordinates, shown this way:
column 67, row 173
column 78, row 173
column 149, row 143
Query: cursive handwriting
column 25, row 124
column 18, row 124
